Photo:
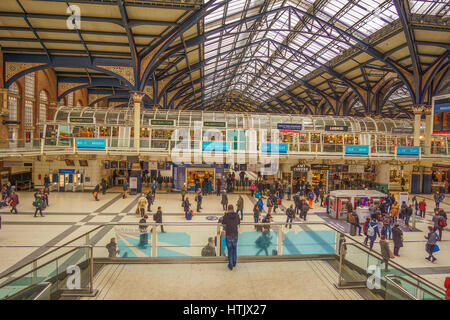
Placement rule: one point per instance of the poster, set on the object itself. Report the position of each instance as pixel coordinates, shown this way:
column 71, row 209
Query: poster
column 403, row 196
column 133, row 182
column 64, row 135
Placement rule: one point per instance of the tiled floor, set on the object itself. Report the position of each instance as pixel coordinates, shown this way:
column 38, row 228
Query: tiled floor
column 72, row 214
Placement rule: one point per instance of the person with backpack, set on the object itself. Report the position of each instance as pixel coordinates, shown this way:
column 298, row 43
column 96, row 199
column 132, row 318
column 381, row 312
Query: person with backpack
column 437, row 199
column 430, row 248
column 397, row 237
column 304, row 210
column 157, row 217
column 209, row 250
column 199, row 199
column 387, row 221
column 372, row 233
column 403, row 210
column 96, row 190
column 112, row 248
column 186, row 206
column 231, row 221
column 290, row 213
column 38, row 204
column 143, row 237
column 13, row 201
column 256, row 213
column 224, row 200
column 439, row 222
column 240, row 206
column 142, row 205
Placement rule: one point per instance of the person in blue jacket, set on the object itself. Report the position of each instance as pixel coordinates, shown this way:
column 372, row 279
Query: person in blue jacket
column 260, row 204
column 371, row 233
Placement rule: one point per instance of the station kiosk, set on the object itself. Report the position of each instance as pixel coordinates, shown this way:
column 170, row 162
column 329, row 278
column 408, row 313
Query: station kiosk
column 340, row 198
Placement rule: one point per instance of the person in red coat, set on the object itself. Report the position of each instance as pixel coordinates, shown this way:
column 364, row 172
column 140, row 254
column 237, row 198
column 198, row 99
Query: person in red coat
column 447, row 288
column 13, row 201
column 422, row 208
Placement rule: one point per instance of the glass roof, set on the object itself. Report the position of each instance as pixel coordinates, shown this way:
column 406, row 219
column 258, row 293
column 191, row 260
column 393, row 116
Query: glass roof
column 264, row 56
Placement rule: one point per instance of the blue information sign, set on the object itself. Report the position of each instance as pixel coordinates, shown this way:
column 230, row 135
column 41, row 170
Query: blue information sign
column 274, row 147
column 362, row 150
column 89, row 143
column 408, row 151
column 289, row 126
column 66, row 170
column 215, row 146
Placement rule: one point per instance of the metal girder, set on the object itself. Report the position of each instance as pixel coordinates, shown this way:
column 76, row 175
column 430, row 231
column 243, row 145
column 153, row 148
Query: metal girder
column 404, row 12
column 140, row 4
column 163, row 44
column 131, row 42
column 88, row 83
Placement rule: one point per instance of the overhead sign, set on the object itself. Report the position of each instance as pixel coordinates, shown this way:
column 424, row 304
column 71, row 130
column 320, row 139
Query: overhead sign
column 320, row 167
column 336, row 128
column 66, row 170
column 11, row 122
column 170, row 123
column 216, row 124
column 215, row 146
column 408, row 151
column 89, row 143
column 289, row 127
column 12, row 163
column 83, row 120
column 402, row 130
column 300, row 168
column 360, row 150
column 274, row 147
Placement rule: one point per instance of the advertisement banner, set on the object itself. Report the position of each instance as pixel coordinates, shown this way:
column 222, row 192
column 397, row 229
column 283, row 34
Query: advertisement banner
column 336, row 128
column 359, row 150
column 408, row 151
column 64, row 135
column 90, row 143
column 274, row 147
column 215, row 146
column 441, row 115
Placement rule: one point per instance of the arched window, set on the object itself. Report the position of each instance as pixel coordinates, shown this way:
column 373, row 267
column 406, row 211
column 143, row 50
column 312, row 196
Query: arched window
column 70, row 99
column 13, row 98
column 29, row 99
column 43, row 105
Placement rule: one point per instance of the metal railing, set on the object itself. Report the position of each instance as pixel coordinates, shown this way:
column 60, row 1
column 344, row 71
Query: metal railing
column 419, row 290
column 43, row 293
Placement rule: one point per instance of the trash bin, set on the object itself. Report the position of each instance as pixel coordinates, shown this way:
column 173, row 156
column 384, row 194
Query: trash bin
column 352, row 229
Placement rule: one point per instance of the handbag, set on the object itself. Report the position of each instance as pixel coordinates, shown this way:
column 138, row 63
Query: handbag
column 391, row 255
column 435, row 248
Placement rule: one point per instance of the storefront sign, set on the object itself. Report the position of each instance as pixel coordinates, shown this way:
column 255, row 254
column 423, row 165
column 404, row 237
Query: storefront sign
column 402, row 130
column 300, row 168
column 441, row 167
column 11, row 122
column 362, row 150
column 89, row 143
column 215, row 146
column 274, row 147
column 83, row 120
column 66, row 171
column 320, row 167
column 215, row 124
column 336, row 128
column 408, row 151
column 289, row 127
column 170, row 123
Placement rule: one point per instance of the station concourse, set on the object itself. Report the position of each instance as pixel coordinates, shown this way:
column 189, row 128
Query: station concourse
column 134, row 134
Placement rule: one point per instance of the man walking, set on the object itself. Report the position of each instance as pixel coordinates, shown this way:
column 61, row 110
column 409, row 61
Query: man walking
column 183, row 193
column 199, row 199
column 397, row 237
column 372, row 232
column 240, row 206
column 290, row 213
column 231, row 221
column 125, row 189
column 13, row 201
column 158, row 218
column 432, row 238
column 224, row 201
column 143, row 231
column 142, row 205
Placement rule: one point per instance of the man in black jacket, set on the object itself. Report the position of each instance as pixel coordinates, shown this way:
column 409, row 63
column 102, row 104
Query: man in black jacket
column 231, row 221
column 290, row 213
column 158, row 218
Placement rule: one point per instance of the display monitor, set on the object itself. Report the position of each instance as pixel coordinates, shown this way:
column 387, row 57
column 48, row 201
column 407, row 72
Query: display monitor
column 70, row 163
column 83, row 163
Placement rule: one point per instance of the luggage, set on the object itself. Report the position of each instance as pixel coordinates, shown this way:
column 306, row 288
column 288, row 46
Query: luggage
column 189, row 215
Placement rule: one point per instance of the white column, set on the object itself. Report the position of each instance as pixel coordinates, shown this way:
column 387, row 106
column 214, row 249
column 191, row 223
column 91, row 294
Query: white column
column 417, row 115
column 428, row 128
column 137, row 100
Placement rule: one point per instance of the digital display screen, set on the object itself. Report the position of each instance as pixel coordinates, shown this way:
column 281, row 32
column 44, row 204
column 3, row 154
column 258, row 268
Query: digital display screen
column 83, row 163
column 69, row 162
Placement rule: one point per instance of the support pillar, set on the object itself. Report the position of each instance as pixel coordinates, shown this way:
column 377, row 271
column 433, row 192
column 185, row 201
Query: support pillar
column 428, row 128
column 417, row 109
column 137, row 97
column 4, row 101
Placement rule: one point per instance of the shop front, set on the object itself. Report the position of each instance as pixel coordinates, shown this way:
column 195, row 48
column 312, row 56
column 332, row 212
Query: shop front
column 396, row 176
column 196, row 173
column 439, row 174
column 320, row 175
column 299, row 174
